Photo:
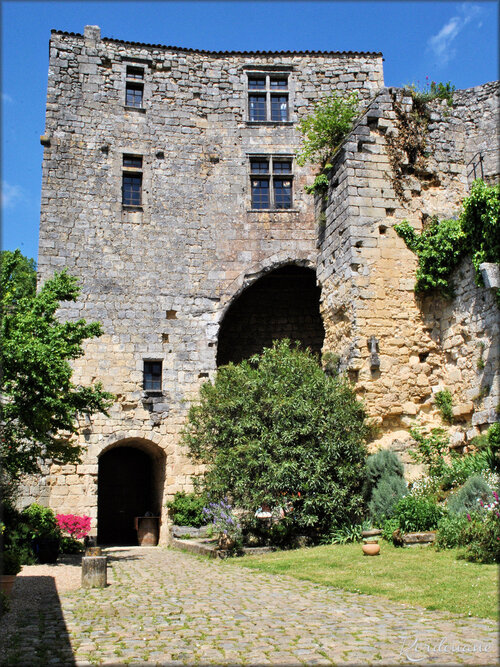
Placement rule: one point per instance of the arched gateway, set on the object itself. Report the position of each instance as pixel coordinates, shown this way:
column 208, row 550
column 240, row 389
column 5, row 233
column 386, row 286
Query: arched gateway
column 130, row 483
column 284, row 303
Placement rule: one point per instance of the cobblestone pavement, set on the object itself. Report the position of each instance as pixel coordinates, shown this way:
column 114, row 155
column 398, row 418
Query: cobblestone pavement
column 168, row 607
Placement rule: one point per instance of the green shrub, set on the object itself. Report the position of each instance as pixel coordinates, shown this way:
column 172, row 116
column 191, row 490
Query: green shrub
column 275, row 429
column 186, row 509
column 430, row 449
column 463, row 467
column 482, row 537
column 388, row 528
column 10, row 562
column 451, row 531
column 325, row 128
column 385, row 496
column 347, row 533
column 384, row 484
column 444, row 402
column 383, row 463
column 69, row 545
column 17, row 534
column 442, row 245
column 417, row 514
column 466, row 498
column 42, row 521
column 493, row 451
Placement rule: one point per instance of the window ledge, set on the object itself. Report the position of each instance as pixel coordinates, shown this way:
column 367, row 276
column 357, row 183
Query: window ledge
column 139, row 109
column 128, row 207
column 273, row 210
column 269, row 123
column 152, row 393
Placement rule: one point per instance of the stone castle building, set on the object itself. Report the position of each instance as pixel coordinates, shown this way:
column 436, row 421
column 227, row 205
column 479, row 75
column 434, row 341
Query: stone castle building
column 171, row 189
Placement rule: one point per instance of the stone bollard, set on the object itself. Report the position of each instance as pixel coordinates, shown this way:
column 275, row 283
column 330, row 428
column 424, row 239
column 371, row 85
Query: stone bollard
column 94, row 571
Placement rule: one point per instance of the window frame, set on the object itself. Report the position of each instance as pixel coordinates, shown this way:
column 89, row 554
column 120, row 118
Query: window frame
column 269, row 93
column 272, row 176
column 152, row 389
column 134, row 172
column 134, row 81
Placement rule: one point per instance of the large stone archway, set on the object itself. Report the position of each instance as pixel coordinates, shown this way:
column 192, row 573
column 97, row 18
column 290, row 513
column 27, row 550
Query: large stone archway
column 284, row 303
column 130, row 483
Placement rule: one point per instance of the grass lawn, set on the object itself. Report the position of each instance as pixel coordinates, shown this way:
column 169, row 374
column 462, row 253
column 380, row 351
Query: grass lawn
column 416, row 575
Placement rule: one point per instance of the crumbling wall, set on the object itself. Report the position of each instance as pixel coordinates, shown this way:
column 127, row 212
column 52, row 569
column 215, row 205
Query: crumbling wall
column 399, row 349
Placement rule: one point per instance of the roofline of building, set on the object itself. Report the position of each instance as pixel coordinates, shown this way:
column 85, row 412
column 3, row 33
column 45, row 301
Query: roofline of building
column 181, row 49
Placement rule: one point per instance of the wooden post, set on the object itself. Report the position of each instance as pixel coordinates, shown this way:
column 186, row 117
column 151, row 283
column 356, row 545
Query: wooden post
column 94, row 574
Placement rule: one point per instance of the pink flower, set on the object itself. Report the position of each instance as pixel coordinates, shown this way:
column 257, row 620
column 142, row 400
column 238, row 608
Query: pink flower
column 76, row 526
column 468, row 517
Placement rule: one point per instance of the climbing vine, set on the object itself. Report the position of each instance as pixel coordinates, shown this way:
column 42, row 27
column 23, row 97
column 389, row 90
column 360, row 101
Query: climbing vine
column 443, row 243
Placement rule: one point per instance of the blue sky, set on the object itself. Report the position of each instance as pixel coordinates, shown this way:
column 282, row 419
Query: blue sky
column 446, row 41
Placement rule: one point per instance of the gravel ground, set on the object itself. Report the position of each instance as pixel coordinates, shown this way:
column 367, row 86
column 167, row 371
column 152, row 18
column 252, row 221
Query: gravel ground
column 165, row 607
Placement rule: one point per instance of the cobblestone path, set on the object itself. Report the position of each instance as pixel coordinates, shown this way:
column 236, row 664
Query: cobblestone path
column 168, row 607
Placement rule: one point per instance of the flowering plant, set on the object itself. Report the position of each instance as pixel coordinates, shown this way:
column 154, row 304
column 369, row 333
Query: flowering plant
column 224, row 521
column 76, row 526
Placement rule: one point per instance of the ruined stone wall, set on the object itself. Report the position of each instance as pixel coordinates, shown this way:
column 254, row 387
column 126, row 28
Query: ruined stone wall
column 160, row 278
column 367, row 273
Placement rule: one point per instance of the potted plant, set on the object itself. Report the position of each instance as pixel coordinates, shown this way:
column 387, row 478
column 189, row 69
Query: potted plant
column 46, row 535
column 10, row 567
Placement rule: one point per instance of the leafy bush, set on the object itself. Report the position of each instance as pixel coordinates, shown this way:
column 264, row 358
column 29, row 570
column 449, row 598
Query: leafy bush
column 442, row 244
column 383, row 463
column 42, row 521
column 385, row 497
column 17, row 534
column 482, row 537
column 384, row 484
column 325, row 128
column 466, row 498
column 417, row 514
column 463, row 467
column 10, row 562
column 434, row 90
column 186, row 509
column 69, row 545
column 346, row 534
column 430, row 449
column 444, row 402
column 388, row 529
column 451, row 531
column 493, row 451
column 276, row 430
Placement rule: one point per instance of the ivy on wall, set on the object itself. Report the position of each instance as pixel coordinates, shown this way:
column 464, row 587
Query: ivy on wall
column 443, row 243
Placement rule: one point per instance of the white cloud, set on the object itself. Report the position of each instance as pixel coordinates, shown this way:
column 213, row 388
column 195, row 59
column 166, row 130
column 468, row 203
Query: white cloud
column 441, row 44
column 11, row 195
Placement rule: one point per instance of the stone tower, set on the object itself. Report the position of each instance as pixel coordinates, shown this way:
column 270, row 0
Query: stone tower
column 171, row 190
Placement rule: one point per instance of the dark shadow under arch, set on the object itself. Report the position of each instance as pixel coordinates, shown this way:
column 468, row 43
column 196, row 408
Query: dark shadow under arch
column 130, row 483
column 282, row 304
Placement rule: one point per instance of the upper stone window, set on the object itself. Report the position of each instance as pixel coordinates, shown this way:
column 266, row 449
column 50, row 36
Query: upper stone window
column 268, row 98
column 132, row 180
column 271, row 182
column 134, row 87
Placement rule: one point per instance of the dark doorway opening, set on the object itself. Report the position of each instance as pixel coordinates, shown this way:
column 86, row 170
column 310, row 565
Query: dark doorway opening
column 282, row 304
column 125, row 490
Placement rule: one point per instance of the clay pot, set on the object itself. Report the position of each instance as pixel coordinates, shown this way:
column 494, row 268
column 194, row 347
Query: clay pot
column 147, row 531
column 371, row 548
column 6, row 583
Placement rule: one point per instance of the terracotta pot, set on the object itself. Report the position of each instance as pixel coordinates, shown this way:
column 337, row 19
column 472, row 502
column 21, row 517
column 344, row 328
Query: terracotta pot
column 147, row 531
column 371, row 548
column 6, row 583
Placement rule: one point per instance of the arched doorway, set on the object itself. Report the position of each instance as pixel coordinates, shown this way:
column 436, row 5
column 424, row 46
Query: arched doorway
column 129, row 485
column 282, row 304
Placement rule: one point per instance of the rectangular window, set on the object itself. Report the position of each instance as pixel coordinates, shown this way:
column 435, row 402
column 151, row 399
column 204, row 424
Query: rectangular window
column 272, row 102
column 270, row 188
column 134, row 87
column 152, row 376
column 132, row 180
column 257, row 107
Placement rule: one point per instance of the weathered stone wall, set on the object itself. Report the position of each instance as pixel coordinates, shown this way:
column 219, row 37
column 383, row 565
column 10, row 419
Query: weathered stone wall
column 160, row 279
column 367, row 273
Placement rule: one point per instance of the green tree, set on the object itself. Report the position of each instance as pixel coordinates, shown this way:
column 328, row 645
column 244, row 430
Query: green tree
column 40, row 405
column 275, row 429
